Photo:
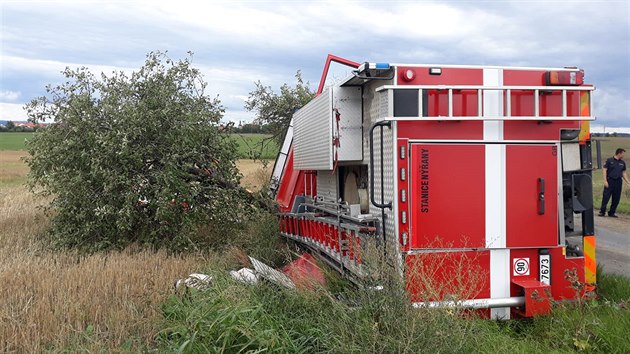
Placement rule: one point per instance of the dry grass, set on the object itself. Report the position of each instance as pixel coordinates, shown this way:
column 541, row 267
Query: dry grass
column 255, row 173
column 12, row 169
column 52, row 300
column 58, row 300
column 55, row 300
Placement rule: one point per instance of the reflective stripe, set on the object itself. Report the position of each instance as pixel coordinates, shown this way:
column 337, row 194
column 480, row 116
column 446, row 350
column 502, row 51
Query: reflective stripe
column 585, row 108
column 590, row 266
column 585, row 111
column 493, row 105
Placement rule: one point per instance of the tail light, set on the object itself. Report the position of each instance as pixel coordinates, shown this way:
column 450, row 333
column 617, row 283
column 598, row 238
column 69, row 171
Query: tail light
column 564, row 78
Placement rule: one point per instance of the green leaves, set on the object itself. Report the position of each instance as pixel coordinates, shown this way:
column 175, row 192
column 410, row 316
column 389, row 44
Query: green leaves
column 134, row 158
column 276, row 109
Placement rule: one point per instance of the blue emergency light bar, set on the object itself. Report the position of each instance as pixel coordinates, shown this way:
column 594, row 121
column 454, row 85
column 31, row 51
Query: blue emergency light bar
column 373, row 66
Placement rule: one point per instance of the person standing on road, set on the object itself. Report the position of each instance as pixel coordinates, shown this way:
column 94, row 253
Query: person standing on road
column 614, row 170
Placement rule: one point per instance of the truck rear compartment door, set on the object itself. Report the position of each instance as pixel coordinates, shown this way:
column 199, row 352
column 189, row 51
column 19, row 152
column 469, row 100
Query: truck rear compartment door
column 449, row 194
column 532, row 195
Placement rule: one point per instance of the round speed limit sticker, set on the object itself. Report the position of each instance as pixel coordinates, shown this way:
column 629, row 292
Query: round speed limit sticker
column 520, row 266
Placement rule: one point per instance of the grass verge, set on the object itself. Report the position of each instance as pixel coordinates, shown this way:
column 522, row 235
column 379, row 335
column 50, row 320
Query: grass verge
column 232, row 317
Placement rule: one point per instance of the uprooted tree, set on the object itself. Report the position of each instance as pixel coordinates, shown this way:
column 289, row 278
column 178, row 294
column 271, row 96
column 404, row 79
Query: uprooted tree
column 135, row 158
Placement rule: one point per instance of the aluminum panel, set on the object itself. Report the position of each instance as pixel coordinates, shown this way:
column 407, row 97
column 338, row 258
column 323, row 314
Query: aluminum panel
column 347, row 100
column 384, row 105
column 388, row 182
column 495, row 209
column 390, row 176
column 313, row 134
column 493, row 104
column 376, row 106
column 327, row 185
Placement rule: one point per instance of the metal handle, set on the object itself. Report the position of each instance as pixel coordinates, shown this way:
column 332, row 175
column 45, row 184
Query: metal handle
column 541, row 196
column 382, row 204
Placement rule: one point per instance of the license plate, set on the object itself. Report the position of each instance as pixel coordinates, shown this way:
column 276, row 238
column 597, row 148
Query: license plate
column 544, row 265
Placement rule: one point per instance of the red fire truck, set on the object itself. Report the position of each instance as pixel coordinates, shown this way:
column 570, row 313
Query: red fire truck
column 475, row 181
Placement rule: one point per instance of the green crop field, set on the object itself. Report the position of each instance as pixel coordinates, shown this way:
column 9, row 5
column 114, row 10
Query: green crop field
column 13, row 141
column 609, row 145
column 256, row 146
column 249, row 145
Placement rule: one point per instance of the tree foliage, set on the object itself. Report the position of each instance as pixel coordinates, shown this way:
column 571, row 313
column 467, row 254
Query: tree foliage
column 134, row 158
column 276, row 109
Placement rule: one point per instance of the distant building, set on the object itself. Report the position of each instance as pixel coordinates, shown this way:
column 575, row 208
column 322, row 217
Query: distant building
column 28, row 125
column 22, row 124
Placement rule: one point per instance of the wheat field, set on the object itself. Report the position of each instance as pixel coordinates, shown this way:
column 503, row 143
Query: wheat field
column 58, row 300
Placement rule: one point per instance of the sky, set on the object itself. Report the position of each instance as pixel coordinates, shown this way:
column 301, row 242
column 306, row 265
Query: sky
column 236, row 43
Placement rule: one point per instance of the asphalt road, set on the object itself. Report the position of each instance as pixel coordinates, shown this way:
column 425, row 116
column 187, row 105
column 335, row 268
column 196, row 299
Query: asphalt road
column 612, row 250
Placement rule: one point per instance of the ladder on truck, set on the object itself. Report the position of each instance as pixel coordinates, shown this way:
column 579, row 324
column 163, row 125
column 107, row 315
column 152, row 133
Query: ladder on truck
column 505, row 92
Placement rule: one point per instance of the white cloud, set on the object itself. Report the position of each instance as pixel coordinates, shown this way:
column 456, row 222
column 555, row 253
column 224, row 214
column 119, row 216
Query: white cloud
column 605, row 129
column 240, row 42
column 612, row 106
column 12, row 112
column 9, row 95
column 317, row 25
column 237, row 116
column 240, row 97
column 52, row 67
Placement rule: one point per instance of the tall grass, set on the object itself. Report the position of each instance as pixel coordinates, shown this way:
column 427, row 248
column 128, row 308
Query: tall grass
column 233, row 317
column 595, row 325
column 12, row 169
column 55, row 300
column 256, row 173
column 613, row 287
column 62, row 301
column 237, row 318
